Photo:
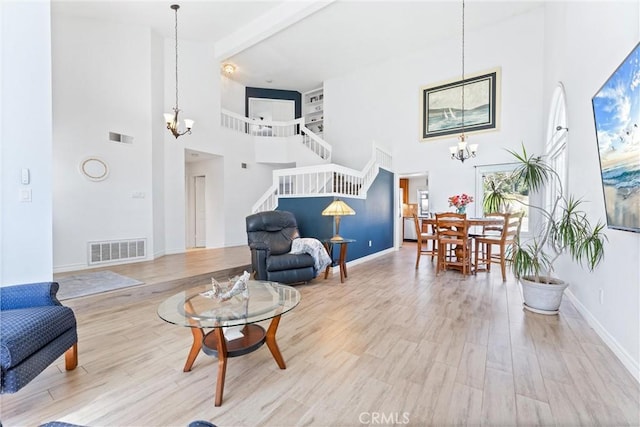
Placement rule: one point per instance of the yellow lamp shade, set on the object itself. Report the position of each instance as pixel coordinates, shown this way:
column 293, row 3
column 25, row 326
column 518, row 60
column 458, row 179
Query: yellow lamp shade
column 337, row 209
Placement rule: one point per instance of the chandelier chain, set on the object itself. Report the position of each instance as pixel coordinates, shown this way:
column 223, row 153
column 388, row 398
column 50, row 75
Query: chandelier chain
column 462, row 151
column 462, row 67
column 176, row 38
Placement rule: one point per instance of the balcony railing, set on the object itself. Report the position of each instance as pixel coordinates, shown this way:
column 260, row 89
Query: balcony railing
column 267, row 128
column 323, row 180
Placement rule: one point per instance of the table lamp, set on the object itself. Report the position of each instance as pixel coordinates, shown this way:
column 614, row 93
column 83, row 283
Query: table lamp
column 337, row 208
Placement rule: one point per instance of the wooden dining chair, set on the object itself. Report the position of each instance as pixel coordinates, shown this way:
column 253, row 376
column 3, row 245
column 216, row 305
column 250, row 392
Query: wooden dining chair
column 424, row 239
column 454, row 243
column 509, row 232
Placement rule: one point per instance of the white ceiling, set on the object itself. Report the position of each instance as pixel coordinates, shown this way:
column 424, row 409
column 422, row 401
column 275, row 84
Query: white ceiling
column 335, row 40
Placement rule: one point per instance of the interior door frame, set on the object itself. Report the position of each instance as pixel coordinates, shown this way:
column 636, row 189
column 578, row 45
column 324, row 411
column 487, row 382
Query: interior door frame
column 199, row 180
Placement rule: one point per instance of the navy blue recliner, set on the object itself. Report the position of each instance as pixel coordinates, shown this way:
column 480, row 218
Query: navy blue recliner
column 269, row 236
column 35, row 329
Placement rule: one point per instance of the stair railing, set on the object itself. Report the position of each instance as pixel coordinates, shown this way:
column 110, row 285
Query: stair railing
column 269, row 128
column 315, row 143
column 323, row 180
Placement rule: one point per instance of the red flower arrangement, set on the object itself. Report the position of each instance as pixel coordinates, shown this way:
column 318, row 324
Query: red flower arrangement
column 460, row 200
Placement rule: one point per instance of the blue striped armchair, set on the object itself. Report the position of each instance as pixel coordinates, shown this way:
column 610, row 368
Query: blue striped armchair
column 35, row 329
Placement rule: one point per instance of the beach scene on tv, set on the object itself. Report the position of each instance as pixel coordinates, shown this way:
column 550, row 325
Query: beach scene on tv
column 616, row 109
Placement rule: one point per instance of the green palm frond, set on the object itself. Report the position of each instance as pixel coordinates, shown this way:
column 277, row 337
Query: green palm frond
column 566, row 230
column 533, row 171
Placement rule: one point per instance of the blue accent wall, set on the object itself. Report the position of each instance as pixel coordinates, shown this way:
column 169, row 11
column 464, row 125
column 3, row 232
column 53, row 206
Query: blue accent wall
column 257, row 92
column 373, row 220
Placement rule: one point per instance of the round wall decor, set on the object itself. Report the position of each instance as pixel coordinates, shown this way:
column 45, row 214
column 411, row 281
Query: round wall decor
column 94, row 169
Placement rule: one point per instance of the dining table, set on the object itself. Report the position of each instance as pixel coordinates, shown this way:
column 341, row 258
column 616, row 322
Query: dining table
column 473, row 222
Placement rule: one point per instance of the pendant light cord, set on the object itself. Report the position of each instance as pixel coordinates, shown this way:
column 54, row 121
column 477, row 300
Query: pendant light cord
column 176, row 32
column 463, row 67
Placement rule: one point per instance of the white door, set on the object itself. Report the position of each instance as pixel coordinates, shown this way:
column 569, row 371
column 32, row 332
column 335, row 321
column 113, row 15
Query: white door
column 200, row 212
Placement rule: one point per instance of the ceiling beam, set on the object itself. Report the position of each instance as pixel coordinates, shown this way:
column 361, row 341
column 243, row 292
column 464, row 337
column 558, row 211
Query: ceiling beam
column 263, row 27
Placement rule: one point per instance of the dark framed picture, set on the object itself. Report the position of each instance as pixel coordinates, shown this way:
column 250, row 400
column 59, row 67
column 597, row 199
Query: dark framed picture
column 441, row 109
column 616, row 112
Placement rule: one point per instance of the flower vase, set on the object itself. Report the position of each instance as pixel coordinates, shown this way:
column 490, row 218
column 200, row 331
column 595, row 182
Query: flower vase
column 462, row 210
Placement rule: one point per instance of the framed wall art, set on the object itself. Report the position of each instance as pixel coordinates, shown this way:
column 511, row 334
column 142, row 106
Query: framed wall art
column 441, row 105
column 616, row 112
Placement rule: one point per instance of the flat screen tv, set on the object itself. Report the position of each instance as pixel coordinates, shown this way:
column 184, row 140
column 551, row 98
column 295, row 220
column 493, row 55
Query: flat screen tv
column 616, row 111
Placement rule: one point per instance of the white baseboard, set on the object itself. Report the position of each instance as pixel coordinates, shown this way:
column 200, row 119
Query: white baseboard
column 628, row 362
column 76, row 267
column 70, row 267
column 175, row 251
column 336, row 269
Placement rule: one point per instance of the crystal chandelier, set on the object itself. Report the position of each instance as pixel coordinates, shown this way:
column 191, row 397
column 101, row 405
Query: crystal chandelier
column 172, row 118
column 463, row 151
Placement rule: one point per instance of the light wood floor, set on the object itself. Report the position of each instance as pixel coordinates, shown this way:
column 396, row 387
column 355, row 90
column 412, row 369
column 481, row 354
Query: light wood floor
column 390, row 345
column 170, row 268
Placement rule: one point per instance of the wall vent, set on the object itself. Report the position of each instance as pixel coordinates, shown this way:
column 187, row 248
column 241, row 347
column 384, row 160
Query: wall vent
column 120, row 138
column 116, row 250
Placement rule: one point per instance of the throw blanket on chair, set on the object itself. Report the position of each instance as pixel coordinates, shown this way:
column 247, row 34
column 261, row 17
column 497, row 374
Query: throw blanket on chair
column 314, row 248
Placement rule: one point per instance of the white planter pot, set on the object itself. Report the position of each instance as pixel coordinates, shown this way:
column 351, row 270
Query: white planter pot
column 543, row 298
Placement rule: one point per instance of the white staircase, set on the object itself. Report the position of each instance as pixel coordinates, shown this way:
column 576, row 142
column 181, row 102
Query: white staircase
column 289, row 142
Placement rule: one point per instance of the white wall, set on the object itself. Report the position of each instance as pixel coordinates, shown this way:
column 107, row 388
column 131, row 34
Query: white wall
column 114, row 77
column 381, row 103
column 25, row 132
column 158, row 134
column 101, row 83
column 243, row 186
column 584, row 43
column 232, row 95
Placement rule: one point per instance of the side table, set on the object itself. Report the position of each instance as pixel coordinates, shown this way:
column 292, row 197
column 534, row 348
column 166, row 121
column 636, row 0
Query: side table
column 342, row 260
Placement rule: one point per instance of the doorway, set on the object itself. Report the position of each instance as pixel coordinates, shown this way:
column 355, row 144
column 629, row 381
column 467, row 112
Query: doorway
column 276, row 110
column 269, row 111
column 200, row 213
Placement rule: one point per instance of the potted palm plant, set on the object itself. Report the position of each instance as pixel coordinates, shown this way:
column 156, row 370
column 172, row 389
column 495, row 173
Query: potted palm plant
column 565, row 229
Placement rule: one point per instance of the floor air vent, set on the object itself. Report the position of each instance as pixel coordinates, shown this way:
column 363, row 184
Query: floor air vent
column 116, row 250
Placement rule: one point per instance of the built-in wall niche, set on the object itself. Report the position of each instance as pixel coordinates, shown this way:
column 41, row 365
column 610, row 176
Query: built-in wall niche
column 313, row 110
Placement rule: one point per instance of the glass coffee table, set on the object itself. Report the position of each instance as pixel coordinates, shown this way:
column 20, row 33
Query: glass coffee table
column 236, row 318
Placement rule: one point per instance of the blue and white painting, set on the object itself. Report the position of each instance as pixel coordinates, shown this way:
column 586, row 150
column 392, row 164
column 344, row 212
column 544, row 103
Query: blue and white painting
column 616, row 110
column 443, row 108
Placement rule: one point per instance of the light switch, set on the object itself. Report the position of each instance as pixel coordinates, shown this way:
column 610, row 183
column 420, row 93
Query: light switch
column 25, row 195
column 24, row 176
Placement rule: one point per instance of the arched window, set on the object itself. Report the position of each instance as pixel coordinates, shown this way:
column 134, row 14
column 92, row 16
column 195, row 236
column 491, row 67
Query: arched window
column 557, row 138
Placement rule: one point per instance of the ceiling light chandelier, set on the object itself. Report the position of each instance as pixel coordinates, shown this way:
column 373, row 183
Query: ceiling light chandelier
column 463, row 151
column 172, row 118
column 229, row 68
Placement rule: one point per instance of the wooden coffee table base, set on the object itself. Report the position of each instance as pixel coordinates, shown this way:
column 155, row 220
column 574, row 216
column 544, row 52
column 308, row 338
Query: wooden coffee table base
column 215, row 344
column 198, row 336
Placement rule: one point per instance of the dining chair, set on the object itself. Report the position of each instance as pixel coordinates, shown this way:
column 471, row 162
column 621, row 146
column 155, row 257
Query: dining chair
column 454, row 243
column 424, row 238
column 509, row 233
